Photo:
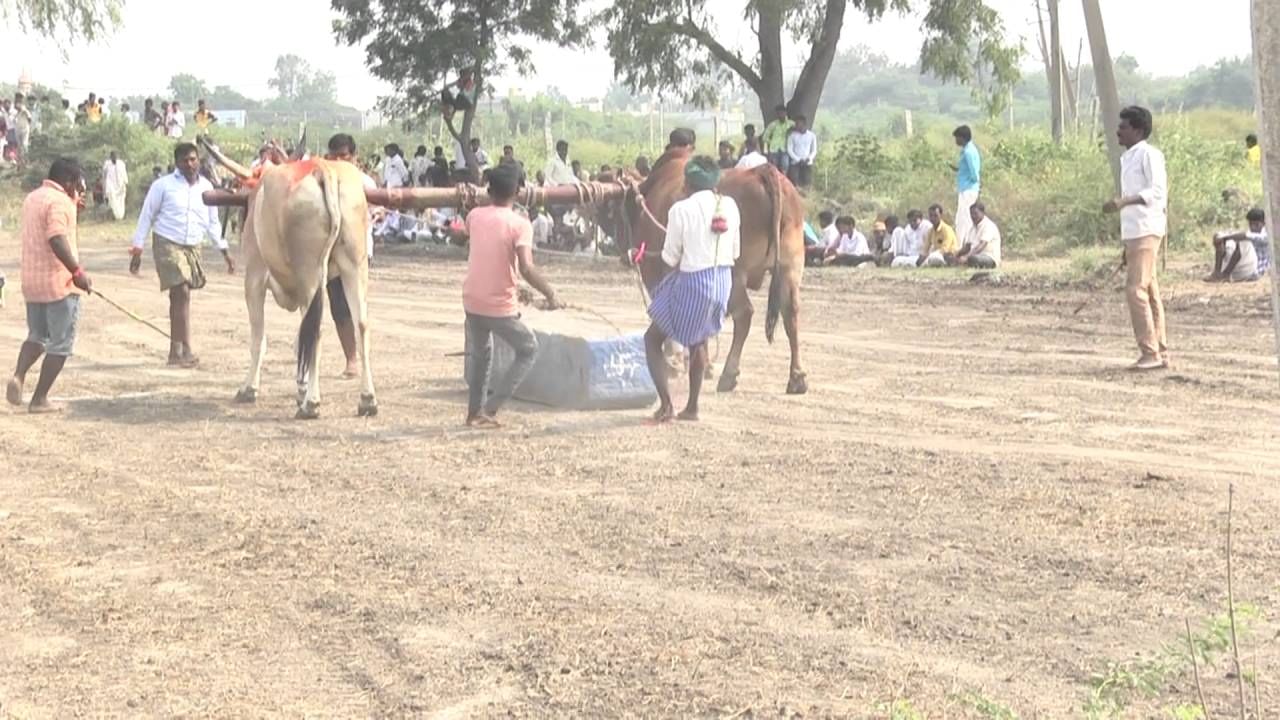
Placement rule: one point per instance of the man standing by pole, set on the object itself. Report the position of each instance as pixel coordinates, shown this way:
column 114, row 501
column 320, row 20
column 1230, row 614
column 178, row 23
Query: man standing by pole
column 51, row 275
column 968, row 178
column 1144, row 192
column 175, row 210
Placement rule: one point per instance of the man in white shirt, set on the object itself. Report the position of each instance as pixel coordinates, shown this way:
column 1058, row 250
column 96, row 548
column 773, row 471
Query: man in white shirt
column 22, row 120
column 1144, row 189
column 802, row 150
column 395, row 173
column 689, row 306
column 176, row 123
column 906, row 244
column 542, row 227
column 175, row 210
column 115, row 183
column 1242, row 256
column 751, row 155
column 482, row 157
column 851, row 247
column 559, row 170
column 981, row 247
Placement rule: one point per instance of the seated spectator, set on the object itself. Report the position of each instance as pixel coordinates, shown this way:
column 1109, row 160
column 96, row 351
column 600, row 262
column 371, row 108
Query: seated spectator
column 751, row 155
column 982, row 244
column 814, row 248
column 542, row 226
column 1243, row 256
column 907, row 245
column 941, row 245
column 727, row 160
column 851, row 248
column 879, row 238
column 895, row 234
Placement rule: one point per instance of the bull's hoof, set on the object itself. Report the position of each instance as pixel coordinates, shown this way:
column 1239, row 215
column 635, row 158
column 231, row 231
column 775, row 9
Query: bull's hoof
column 368, row 406
column 247, row 396
column 728, row 382
column 308, row 411
column 797, row 385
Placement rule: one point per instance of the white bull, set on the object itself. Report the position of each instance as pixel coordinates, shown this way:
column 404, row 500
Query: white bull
column 307, row 223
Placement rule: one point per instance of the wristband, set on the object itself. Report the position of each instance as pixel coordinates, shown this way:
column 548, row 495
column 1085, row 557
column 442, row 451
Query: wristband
column 79, row 272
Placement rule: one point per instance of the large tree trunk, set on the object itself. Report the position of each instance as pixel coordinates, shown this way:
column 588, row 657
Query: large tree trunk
column 813, row 76
column 1055, row 73
column 1104, row 79
column 771, row 92
column 1266, row 60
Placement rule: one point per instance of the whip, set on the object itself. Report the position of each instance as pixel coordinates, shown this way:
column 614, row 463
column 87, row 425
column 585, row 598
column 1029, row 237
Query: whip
column 129, row 312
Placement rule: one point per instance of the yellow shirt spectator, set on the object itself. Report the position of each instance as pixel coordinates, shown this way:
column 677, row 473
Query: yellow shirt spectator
column 1254, row 154
column 94, row 113
column 942, row 239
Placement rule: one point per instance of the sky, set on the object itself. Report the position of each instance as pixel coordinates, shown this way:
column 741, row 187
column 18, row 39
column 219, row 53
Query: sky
column 145, row 52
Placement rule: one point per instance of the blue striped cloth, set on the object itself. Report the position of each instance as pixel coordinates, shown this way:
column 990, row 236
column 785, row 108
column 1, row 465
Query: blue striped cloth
column 689, row 307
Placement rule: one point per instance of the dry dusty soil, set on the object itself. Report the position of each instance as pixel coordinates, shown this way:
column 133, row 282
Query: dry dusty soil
column 975, row 512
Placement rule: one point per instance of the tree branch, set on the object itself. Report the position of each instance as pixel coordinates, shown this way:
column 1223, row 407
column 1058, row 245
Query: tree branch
column 700, row 35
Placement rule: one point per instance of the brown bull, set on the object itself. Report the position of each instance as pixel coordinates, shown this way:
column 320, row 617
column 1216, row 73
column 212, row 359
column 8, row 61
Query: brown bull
column 306, row 224
column 772, row 215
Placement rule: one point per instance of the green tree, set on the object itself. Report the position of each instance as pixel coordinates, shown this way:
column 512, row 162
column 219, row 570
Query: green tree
column 226, row 97
column 675, row 44
column 293, row 74
column 63, row 19
column 187, row 88
column 422, row 47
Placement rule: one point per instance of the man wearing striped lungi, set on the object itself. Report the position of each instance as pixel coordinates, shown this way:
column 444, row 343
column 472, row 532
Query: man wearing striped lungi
column 690, row 303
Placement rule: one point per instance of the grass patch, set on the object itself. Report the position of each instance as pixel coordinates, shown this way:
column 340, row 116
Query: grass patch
column 1119, row 684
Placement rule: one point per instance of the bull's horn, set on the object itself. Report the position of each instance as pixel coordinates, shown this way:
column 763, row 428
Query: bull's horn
column 236, row 168
column 301, row 148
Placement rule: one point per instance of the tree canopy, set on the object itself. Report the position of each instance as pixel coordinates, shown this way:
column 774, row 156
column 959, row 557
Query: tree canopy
column 63, row 20
column 674, row 44
column 421, row 47
column 295, row 82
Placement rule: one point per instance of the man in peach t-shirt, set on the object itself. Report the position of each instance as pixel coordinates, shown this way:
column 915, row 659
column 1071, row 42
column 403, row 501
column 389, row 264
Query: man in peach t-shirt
column 501, row 241
column 51, row 275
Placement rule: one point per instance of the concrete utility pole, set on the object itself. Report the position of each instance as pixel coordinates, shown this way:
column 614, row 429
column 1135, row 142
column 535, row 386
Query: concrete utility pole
column 1055, row 73
column 1104, row 82
column 1266, row 58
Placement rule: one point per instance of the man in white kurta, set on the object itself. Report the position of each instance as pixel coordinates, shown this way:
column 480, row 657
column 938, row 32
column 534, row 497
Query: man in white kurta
column 115, row 184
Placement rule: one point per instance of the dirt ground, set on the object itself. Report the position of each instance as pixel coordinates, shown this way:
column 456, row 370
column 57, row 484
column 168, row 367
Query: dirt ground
column 975, row 512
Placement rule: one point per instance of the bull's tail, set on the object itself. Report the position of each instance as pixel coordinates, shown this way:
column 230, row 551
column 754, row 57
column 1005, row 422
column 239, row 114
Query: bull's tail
column 769, row 177
column 329, row 185
column 309, row 336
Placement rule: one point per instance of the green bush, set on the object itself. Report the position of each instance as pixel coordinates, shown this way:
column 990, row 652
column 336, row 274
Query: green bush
column 1047, row 198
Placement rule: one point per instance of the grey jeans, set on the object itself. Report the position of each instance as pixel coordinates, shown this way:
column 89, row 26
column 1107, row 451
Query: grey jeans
column 480, row 332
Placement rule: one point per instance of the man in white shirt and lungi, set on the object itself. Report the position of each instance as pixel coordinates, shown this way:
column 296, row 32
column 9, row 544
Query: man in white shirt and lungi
column 1144, row 220
column 176, row 212
column 689, row 305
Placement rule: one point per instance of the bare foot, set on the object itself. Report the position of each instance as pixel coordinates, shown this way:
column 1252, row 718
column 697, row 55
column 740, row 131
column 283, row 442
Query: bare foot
column 483, row 422
column 44, row 408
column 13, row 392
column 351, row 373
column 186, row 363
column 665, row 414
column 688, row 415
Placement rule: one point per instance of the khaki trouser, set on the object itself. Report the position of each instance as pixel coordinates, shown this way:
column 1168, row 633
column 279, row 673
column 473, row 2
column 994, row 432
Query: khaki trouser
column 1142, row 295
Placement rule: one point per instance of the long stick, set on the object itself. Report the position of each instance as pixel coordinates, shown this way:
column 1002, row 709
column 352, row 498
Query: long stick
column 1231, row 605
column 129, row 312
column 1114, row 271
column 1195, row 668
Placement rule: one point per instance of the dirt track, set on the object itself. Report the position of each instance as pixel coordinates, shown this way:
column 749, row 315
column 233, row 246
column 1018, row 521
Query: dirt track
column 974, row 507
